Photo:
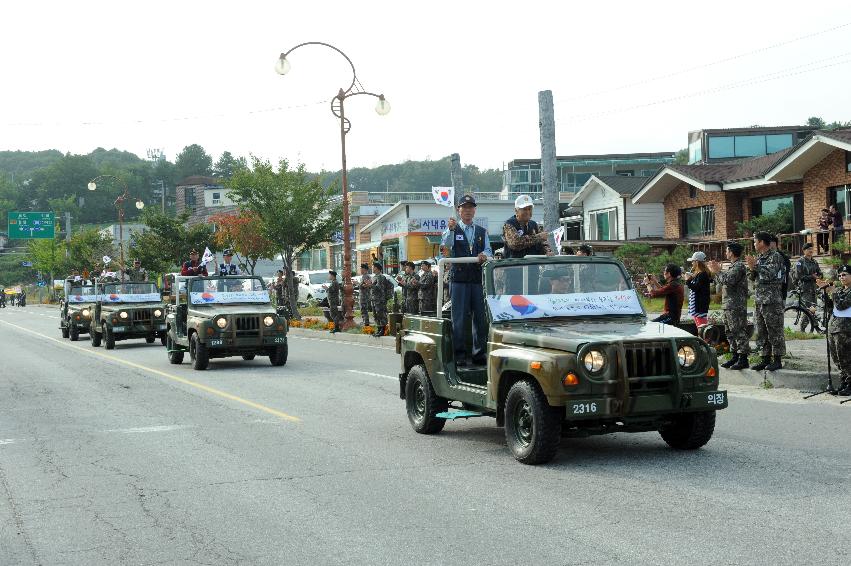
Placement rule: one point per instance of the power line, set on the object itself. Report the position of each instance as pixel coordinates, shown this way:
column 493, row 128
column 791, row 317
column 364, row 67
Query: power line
column 704, row 65
column 751, row 81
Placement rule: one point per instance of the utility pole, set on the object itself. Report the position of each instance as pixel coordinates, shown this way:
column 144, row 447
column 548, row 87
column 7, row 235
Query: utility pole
column 455, row 174
column 67, row 235
column 549, row 181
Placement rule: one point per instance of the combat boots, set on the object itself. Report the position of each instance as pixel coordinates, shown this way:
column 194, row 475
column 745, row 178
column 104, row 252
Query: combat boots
column 845, row 387
column 742, row 363
column 776, row 363
column 764, row 363
column 731, row 362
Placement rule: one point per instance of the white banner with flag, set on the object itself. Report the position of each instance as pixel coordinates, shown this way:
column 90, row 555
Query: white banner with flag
column 558, row 236
column 444, row 196
column 207, row 257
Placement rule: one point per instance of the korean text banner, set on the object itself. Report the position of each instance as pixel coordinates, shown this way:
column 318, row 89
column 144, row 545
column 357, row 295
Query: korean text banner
column 225, row 297
column 511, row 307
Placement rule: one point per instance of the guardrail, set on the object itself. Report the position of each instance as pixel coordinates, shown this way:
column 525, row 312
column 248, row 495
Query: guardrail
column 792, row 244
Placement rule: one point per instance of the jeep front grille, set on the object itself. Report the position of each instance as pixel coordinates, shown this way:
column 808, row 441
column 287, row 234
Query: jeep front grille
column 141, row 316
column 248, row 325
column 649, row 359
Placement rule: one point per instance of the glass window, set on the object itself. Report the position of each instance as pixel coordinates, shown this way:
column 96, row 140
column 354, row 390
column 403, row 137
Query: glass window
column 699, row 221
column 839, row 196
column 189, row 197
column 848, row 161
column 695, row 153
column 749, row 146
column 722, row 146
column 769, row 205
column 776, row 142
column 604, row 225
column 520, row 176
column 217, row 196
column 627, row 173
column 535, row 176
column 647, row 173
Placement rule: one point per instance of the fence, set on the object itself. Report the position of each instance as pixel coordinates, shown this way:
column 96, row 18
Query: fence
column 792, row 244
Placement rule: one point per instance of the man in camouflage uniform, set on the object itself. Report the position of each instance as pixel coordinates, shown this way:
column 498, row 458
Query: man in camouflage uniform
column 807, row 271
column 411, row 284
column 427, row 293
column 766, row 271
column 839, row 332
column 734, row 283
column 379, row 293
column 136, row 274
column 334, row 301
column 364, row 293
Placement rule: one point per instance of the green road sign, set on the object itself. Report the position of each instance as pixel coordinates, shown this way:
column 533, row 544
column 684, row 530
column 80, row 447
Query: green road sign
column 30, row 225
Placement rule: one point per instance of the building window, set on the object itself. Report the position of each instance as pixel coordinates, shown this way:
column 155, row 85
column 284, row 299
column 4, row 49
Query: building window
column 724, row 147
column 839, row 197
column 519, row 176
column 698, row 221
column 749, row 146
column 721, row 147
column 777, row 142
column 534, row 175
column 603, row 224
column 189, row 197
column 788, row 209
column 627, row 173
column 647, row 172
column 692, row 192
column 848, row 161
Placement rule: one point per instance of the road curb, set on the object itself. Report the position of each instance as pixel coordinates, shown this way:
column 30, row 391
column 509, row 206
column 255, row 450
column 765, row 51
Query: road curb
column 388, row 342
column 786, row 378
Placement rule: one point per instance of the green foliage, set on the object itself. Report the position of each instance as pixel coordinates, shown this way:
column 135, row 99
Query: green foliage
column 681, row 158
column 166, row 244
column 47, row 256
column 193, row 160
column 228, row 164
column 638, row 259
column 778, row 222
column 87, row 249
column 414, row 176
column 818, row 122
column 17, row 166
column 12, row 272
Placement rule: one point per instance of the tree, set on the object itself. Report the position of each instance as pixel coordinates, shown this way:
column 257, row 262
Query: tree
column 87, row 249
column 681, row 158
column 816, row 122
column 167, row 241
column 778, row 222
column 241, row 232
column 193, row 160
column 47, row 256
column 294, row 212
column 227, row 164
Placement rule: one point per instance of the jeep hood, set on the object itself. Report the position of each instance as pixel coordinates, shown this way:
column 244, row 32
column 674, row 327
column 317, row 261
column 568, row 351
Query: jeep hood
column 111, row 307
column 568, row 335
column 217, row 310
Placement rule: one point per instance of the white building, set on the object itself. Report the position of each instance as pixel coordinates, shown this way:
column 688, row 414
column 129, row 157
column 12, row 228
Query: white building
column 608, row 212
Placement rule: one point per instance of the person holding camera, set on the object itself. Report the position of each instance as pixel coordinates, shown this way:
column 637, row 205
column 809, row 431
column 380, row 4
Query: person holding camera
column 734, row 287
column 672, row 290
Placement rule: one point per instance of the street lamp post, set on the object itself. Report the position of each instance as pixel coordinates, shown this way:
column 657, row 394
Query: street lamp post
column 382, row 107
column 119, row 205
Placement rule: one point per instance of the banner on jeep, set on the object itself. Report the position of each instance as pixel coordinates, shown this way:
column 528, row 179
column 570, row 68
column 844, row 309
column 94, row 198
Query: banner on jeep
column 225, row 297
column 511, row 307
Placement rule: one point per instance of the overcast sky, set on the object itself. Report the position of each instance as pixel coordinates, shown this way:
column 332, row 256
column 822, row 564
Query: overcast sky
column 460, row 76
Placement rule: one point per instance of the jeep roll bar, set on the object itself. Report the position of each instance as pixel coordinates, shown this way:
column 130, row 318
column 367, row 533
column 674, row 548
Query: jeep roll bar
column 440, row 263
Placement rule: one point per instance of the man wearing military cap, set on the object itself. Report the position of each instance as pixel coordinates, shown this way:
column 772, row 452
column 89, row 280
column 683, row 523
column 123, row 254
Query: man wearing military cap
column 427, row 292
column 839, row 330
column 381, row 289
column 193, row 266
column 136, row 274
column 228, row 268
column 364, row 292
column 334, row 301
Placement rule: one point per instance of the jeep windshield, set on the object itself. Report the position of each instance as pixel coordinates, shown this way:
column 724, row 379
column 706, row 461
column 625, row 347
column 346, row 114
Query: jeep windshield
column 227, row 291
column 130, row 293
column 560, row 289
column 82, row 294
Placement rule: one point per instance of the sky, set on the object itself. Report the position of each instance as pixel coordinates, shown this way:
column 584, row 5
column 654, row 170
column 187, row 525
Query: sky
column 461, row 77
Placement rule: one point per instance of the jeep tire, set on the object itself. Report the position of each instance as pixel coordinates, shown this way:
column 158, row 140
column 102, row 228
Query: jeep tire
column 532, row 427
column 175, row 356
column 94, row 336
column 278, row 356
column 150, row 339
column 689, row 431
column 74, row 333
column 108, row 337
column 65, row 331
column 422, row 403
column 198, row 353
column 247, row 357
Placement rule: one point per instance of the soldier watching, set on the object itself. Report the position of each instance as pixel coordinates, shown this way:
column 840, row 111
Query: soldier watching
column 363, row 294
column 734, row 285
column 193, row 266
column 766, row 271
column 427, row 292
column 380, row 291
column 228, row 268
column 839, row 331
column 334, row 301
column 411, row 283
column 807, row 270
column 522, row 235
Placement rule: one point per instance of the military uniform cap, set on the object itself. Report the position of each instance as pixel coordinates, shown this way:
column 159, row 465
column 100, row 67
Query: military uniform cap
column 843, row 269
column 425, row 262
column 467, row 199
column 364, row 266
column 332, row 272
column 193, row 251
column 228, row 251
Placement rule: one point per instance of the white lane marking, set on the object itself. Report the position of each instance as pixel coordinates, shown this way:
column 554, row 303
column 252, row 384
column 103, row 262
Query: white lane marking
column 361, row 344
column 142, row 429
column 6, row 441
column 373, row 374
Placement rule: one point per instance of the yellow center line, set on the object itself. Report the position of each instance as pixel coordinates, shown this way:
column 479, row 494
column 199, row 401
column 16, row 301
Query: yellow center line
column 184, row 381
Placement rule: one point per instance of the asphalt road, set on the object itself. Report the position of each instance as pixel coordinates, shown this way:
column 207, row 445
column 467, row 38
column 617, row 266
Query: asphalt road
column 120, row 458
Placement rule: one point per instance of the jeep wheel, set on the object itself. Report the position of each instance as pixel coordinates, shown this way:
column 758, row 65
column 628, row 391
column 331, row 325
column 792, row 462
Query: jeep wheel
column 65, row 331
column 150, row 339
column 163, row 339
column 247, row 357
column 198, row 353
column 532, row 427
column 689, row 431
column 278, row 357
column 74, row 333
column 422, row 403
column 108, row 337
column 94, row 336
column 175, row 356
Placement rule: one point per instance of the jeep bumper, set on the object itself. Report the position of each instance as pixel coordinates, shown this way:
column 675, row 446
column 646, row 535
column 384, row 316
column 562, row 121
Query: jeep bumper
column 645, row 405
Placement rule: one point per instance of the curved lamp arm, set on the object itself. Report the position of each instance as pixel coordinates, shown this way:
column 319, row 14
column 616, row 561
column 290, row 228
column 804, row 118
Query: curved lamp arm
column 283, row 64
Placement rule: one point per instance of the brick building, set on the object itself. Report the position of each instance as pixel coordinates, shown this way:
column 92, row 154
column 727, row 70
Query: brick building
column 202, row 197
column 705, row 202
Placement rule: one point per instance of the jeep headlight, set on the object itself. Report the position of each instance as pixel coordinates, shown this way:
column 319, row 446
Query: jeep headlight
column 594, row 361
column 123, row 314
column 686, row 356
column 158, row 313
column 221, row 322
column 85, row 313
column 268, row 320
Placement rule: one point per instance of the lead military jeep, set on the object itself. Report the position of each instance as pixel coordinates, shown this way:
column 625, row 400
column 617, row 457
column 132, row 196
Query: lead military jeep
column 75, row 309
column 124, row 311
column 222, row 316
column 570, row 352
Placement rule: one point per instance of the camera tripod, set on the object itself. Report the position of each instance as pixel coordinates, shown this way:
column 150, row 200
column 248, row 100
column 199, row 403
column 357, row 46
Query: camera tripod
column 830, row 389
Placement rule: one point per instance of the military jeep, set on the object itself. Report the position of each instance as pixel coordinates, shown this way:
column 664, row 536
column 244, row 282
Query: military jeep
column 75, row 309
column 570, row 352
column 125, row 311
column 223, row 316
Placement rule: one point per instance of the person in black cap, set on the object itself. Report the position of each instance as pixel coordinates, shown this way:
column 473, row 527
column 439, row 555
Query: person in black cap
column 334, row 301
column 193, row 266
column 228, row 268
column 465, row 239
column 806, row 272
column 363, row 293
column 381, row 289
column 839, row 330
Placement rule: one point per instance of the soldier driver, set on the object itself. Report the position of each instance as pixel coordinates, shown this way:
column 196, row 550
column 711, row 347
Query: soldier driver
column 136, row 274
column 734, row 282
column 767, row 273
column 839, row 338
